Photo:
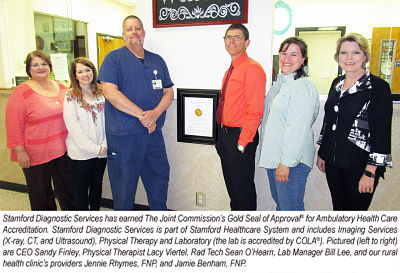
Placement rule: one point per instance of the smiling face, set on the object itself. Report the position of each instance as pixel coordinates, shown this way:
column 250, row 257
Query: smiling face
column 39, row 69
column 235, row 43
column 133, row 33
column 351, row 57
column 84, row 74
column 290, row 59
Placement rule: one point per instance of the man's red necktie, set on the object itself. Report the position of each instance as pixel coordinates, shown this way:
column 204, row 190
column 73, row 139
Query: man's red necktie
column 220, row 108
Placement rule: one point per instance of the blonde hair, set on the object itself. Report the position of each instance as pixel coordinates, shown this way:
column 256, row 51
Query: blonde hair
column 359, row 39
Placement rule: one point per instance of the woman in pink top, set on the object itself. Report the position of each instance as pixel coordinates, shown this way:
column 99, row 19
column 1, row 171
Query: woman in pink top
column 36, row 134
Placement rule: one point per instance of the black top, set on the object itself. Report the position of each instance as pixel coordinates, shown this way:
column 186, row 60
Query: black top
column 357, row 125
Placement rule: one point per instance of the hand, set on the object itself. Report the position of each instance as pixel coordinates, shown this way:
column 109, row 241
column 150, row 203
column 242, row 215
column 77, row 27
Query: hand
column 320, row 164
column 282, row 173
column 366, row 184
column 23, row 159
column 103, row 151
column 148, row 118
column 152, row 128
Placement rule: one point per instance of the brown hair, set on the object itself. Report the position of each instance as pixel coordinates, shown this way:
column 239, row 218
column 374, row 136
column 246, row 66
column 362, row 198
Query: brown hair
column 301, row 72
column 75, row 86
column 244, row 30
column 131, row 17
column 359, row 39
column 33, row 54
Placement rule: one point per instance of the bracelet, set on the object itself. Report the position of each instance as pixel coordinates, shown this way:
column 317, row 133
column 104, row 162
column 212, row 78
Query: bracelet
column 369, row 174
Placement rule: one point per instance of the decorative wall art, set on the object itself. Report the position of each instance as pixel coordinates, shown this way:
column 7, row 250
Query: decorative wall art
column 177, row 13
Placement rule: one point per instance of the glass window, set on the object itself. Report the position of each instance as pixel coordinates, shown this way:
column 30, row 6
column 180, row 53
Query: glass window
column 56, row 34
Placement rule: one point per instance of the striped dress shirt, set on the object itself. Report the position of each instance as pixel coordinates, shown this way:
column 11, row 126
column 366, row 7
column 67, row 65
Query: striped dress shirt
column 291, row 107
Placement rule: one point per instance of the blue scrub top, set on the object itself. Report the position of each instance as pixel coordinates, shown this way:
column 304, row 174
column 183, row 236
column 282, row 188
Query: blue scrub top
column 134, row 79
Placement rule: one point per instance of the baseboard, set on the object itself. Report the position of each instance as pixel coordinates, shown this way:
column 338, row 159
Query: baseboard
column 13, row 187
column 105, row 202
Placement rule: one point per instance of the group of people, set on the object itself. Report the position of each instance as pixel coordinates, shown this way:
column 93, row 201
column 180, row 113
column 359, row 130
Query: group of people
column 44, row 120
column 63, row 138
column 355, row 139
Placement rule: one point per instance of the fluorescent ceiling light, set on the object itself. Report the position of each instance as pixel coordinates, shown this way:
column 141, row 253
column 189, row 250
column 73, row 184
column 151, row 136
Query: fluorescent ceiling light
column 327, row 28
column 126, row 2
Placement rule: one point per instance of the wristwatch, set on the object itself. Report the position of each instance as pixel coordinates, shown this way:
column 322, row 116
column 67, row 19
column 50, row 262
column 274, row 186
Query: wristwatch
column 369, row 174
column 240, row 148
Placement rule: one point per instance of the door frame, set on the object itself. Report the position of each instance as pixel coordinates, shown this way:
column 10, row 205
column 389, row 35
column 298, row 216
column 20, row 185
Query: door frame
column 342, row 30
column 97, row 43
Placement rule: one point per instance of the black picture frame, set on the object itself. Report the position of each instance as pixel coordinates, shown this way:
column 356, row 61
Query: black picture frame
column 185, row 94
column 198, row 13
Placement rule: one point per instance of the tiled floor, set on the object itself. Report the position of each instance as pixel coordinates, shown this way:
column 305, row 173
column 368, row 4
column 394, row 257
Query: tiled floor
column 11, row 201
column 16, row 201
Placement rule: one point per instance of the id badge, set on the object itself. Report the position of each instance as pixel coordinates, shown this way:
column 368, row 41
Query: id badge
column 157, row 84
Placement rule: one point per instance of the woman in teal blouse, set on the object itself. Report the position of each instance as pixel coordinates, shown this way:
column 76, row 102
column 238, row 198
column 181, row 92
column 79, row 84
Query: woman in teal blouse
column 287, row 143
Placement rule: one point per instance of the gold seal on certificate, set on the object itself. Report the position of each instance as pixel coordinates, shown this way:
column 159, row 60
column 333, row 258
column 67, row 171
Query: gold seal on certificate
column 198, row 116
column 198, row 112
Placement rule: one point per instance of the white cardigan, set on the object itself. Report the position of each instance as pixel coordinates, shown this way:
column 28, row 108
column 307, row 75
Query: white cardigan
column 85, row 125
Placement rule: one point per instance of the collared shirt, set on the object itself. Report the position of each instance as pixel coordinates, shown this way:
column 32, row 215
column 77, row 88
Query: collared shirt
column 286, row 134
column 357, row 125
column 244, row 98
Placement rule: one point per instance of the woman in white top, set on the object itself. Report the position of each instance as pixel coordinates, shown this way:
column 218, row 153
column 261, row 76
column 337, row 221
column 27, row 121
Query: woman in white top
column 86, row 140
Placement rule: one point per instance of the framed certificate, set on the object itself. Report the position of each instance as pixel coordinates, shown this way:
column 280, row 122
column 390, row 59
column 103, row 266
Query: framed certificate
column 196, row 115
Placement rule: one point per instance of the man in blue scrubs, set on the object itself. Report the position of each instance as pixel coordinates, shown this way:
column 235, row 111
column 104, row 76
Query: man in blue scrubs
column 138, row 90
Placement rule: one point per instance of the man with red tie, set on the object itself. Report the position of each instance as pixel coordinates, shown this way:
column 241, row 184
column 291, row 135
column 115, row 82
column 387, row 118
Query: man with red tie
column 238, row 115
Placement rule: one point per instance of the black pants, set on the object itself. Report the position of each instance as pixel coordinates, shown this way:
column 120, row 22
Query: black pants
column 238, row 168
column 89, row 179
column 343, row 185
column 41, row 193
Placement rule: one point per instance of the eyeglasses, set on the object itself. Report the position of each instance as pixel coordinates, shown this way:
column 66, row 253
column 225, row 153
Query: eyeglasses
column 38, row 65
column 234, row 37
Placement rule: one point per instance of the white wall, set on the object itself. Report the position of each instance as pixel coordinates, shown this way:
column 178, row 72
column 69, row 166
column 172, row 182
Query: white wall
column 19, row 36
column 5, row 61
column 357, row 15
column 196, row 55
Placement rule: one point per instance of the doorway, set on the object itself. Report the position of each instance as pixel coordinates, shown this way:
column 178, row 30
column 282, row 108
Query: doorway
column 321, row 43
column 105, row 44
column 385, row 56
